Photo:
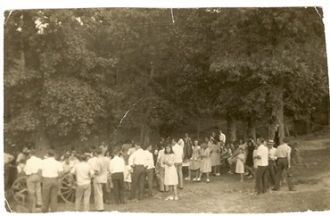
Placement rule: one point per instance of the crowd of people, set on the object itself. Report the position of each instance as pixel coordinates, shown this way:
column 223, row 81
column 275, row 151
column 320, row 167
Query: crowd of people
column 131, row 171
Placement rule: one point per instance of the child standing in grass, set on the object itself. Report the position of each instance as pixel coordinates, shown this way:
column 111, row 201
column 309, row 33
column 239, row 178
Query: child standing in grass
column 171, row 175
column 206, row 167
column 240, row 163
column 195, row 160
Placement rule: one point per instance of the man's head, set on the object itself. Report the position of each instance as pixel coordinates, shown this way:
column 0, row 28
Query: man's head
column 173, row 141
column 117, row 150
column 99, row 152
column 195, row 142
column 51, row 153
column 25, row 150
column 285, row 140
column 137, row 145
column 83, row 157
column 149, row 147
column 270, row 143
column 260, row 141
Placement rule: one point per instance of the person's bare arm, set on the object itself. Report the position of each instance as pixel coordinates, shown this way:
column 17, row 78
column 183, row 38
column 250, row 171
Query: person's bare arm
column 289, row 157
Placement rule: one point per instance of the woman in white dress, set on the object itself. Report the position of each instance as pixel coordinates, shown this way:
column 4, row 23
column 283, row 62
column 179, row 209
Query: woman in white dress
column 171, row 175
column 205, row 167
column 240, row 163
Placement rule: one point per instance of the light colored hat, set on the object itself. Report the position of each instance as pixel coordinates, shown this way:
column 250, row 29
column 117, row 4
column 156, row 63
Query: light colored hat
column 270, row 142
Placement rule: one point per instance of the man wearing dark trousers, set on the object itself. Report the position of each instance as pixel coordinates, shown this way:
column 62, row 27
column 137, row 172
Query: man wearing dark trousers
column 150, row 169
column 117, row 167
column 283, row 153
column 271, row 164
column 51, row 170
column 32, row 170
column 261, row 175
column 138, row 162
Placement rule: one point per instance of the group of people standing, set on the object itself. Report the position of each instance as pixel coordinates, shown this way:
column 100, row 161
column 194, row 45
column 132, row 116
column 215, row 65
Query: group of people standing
column 129, row 169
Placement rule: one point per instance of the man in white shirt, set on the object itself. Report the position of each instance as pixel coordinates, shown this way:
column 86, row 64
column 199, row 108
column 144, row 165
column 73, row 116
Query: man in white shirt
column 101, row 169
column 222, row 137
column 51, row 170
column 138, row 162
column 83, row 172
column 271, row 163
column 150, row 171
column 33, row 182
column 117, row 167
column 283, row 154
column 261, row 174
column 178, row 154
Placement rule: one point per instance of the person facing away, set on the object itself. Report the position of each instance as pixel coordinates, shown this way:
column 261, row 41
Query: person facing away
column 171, row 175
column 84, row 173
column 51, row 170
column 283, row 154
column 261, row 174
column 178, row 153
column 117, row 168
column 138, row 162
column 32, row 170
column 100, row 180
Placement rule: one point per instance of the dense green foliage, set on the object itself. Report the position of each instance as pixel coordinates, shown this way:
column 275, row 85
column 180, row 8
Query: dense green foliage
column 77, row 73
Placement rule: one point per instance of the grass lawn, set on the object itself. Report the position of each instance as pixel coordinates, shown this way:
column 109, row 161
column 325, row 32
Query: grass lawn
column 225, row 194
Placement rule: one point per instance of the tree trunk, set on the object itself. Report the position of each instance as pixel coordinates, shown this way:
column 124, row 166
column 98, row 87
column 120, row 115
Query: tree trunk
column 145, row 135
column 231, row 128
column 309, row 123
column 329, row 115
column 42, row 144
column 277, row 119
column 252, row 127
column 198, row 127
column 286, row 130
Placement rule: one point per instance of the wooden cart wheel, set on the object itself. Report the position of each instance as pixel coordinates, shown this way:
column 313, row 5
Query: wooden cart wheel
column 68, row 188
column 19, row 190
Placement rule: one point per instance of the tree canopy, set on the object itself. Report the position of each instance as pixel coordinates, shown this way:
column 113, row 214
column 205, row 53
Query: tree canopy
column 76, row 73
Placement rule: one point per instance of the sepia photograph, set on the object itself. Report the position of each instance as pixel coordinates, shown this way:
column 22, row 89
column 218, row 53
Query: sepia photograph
column 166, row 110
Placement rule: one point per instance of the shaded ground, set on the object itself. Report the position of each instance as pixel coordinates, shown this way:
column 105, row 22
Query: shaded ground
column 226, row 194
